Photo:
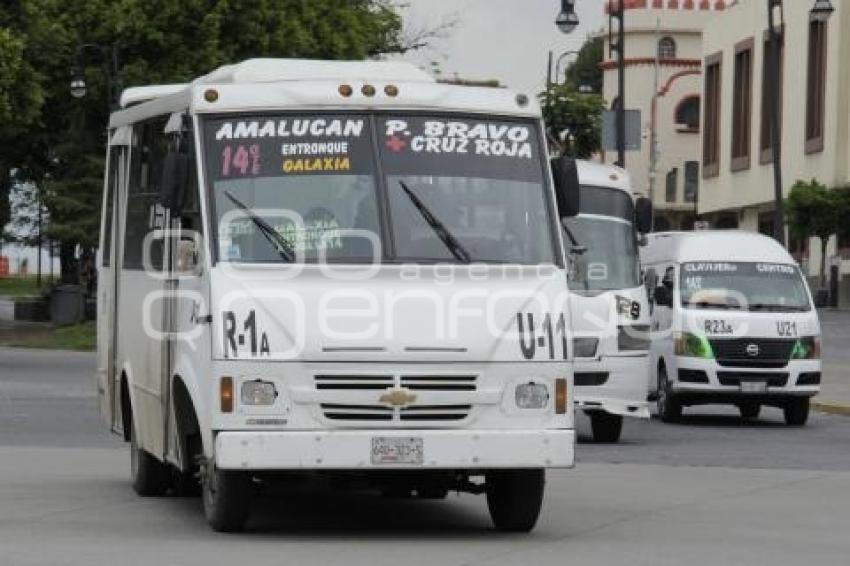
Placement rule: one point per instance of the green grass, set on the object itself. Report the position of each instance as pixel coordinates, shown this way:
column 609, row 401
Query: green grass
column 82, row 337
column 15, row 286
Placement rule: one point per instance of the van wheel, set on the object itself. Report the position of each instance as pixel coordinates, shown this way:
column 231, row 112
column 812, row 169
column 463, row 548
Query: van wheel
column 514, row 498
column 227, row 499
column 606, row 427
column 150, row 477
column 669, row 408
column 749, row 411
column 796, row 411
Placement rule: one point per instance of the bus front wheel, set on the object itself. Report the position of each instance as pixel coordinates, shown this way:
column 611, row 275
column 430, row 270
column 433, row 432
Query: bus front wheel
column 606, row 427
column 150, row 477
column 227, row 499
column 514, row 498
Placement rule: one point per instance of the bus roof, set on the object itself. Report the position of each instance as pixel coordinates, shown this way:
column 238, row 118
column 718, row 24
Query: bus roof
column 601, row 175
column 713, row 245
column 305, row 84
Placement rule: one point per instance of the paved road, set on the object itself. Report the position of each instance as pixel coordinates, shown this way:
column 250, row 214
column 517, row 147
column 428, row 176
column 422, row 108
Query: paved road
column 710, row 491
column 835, row 330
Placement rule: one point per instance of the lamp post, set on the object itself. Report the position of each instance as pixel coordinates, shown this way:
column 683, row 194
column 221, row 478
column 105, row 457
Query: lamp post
column 775, row 23
column 821, row 11
column 109, row 61
column 618, row 12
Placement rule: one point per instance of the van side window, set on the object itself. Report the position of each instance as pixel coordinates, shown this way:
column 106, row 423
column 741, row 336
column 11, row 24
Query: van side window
column 115, row 154
column 144, row 214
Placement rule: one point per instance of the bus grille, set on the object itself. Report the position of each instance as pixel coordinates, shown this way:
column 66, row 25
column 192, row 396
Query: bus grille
column 340, row 409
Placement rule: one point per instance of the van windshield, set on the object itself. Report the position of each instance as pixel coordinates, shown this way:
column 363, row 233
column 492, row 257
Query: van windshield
column 756, row 287
column 358, row 187
column 605, row 228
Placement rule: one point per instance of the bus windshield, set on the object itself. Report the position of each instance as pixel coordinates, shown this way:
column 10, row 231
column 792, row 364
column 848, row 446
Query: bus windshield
column 605, row 228
column 357, row 187
column 757, row 287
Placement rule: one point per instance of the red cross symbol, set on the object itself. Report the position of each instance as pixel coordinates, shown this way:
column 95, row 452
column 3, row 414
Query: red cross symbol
column 396, row 144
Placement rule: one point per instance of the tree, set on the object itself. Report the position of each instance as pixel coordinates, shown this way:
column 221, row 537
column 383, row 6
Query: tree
column 573, row 119
column 20, row 102
column 56, row 142
column 813, row 211
column 586, row 70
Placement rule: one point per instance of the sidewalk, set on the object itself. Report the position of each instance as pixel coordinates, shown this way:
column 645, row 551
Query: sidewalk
column 835, row 388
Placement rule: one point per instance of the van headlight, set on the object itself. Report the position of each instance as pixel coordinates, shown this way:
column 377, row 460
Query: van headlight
column 633, row 338
column 531, row 396
column 692, row 346
column 806, row 348
column 258, row 392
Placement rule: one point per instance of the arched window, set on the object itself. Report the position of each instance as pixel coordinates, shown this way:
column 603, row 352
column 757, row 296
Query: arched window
column 687, row 113
column 667, row 48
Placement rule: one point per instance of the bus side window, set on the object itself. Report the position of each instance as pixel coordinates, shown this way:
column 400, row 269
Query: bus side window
column 669, row 280
column 115, row 154
column 144, row 214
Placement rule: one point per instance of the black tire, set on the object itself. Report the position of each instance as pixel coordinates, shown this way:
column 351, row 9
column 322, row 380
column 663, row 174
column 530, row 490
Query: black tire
column 606, row 427
column 796, row 411
column 515, row 498
column 749, row 410
column 149, row 476
column 227, row 499
column 669, row 407
column 187, row 483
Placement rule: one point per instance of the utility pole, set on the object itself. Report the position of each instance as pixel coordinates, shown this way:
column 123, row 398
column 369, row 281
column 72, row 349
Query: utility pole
column 774, row 6
column 618, row 12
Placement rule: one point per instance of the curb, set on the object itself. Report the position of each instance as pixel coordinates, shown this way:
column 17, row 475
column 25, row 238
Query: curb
column 831, row 408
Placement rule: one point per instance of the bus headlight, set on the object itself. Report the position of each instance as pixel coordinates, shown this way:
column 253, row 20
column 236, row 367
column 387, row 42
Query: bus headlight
column 806, row 348
column 531, row 396
column 258, row 392
column 692, row 346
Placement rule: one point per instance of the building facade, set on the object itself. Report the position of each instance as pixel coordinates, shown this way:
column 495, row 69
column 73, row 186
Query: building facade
column 814, row 93
column 663, row 57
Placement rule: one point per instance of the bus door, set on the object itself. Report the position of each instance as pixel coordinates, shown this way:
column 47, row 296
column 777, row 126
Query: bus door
column 186, row 309
column 141, row 282
column 108, row 269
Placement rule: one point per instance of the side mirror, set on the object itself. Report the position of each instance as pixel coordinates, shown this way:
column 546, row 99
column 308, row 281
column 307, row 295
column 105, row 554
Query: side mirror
column 567, row 195
column 175, row 177
column 643, row 215
column 662, row 296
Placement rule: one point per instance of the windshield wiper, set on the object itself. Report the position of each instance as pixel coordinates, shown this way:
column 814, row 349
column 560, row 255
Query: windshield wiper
column 775, row 308
column 281, row 245
column 452, row 244
column 710, row 305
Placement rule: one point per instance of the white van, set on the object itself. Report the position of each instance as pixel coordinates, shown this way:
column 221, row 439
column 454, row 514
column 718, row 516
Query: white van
column 609, row 304
column 733, row 322
column 336, row 268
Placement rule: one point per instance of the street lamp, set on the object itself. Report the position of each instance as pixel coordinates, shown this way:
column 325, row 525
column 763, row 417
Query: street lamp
column 561, row 57
column 822, row 10
column 567, row 19
column 109, row 60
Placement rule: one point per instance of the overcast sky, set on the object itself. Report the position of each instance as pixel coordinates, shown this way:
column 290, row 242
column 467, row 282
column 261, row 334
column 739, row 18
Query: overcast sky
column 506, row 40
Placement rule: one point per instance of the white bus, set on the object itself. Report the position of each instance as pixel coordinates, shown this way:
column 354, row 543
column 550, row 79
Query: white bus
column 609, row 304
column 733, row 322
column 343, row 268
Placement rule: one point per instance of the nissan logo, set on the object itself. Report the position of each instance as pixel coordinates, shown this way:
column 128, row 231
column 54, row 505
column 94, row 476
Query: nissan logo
column 753, row 350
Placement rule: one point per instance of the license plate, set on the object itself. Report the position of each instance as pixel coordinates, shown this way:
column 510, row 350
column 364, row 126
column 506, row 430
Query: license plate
column 397, row 450
column 753, row 386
